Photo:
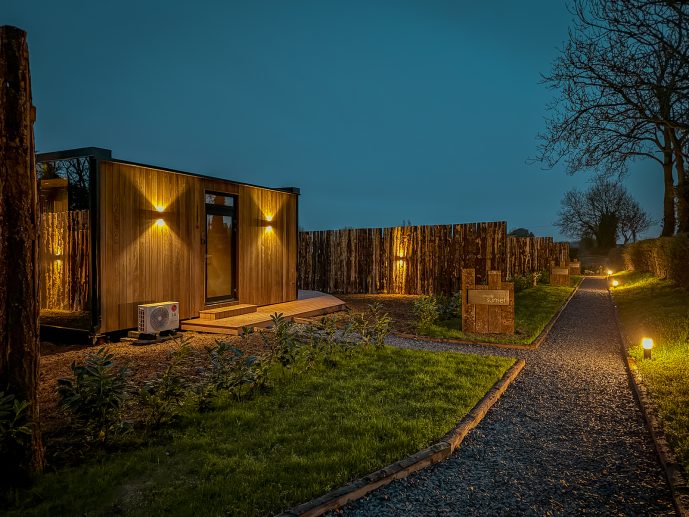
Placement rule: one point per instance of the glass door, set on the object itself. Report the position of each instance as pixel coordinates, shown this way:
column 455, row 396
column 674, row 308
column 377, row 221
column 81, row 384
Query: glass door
column 221, row 247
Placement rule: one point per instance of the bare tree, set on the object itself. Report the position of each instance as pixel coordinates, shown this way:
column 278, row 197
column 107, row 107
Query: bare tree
column 623, row 85
column 604, row 212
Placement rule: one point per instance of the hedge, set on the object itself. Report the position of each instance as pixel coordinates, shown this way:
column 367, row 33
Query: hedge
column 665, row 257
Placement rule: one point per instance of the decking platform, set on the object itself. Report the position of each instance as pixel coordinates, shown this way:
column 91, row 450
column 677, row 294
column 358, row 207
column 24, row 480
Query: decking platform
column 309, row 304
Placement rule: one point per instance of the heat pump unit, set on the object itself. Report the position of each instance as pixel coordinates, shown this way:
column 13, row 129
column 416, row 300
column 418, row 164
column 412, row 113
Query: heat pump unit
column 157, row 317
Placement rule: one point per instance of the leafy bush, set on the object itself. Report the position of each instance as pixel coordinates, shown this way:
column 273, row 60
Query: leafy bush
column 665, row 257
column 426, row 311
column 449, row 307
column 96, row 393
column 15, row 432
column 522, row 282
column 163, row 397
column 372, row 326
column 233, row 371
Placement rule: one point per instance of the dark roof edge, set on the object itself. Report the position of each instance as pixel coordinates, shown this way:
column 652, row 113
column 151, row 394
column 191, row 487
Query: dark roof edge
column 106, row 155
column 96, row 152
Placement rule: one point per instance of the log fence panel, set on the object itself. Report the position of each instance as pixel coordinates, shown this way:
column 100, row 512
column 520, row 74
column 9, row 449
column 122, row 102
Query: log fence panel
column 418, row 259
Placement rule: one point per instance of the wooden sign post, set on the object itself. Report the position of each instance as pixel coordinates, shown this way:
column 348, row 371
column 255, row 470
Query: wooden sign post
column 559, row 275
column 575, row 267
column 487, row 309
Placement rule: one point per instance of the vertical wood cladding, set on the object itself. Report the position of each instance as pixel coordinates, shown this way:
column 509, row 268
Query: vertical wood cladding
column 142, row 261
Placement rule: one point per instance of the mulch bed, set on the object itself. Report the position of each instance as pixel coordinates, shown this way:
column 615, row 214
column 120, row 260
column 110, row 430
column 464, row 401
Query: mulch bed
column 398, row 306
column 144, row 363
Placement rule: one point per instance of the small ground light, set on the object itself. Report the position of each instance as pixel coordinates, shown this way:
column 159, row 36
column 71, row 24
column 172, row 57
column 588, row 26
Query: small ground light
column 647, row 345
column 609, row 272
column 615, row 283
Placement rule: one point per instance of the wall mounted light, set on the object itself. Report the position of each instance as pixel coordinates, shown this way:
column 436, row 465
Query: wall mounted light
column 160, row 223
column 267, row 223
column 647, row 345
column 160, row 208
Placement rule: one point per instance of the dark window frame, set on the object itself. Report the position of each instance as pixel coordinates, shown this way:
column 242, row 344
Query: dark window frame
column 222, row 210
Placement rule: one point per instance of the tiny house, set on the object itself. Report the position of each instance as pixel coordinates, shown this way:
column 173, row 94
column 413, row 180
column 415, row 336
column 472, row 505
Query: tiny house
column 116, row 234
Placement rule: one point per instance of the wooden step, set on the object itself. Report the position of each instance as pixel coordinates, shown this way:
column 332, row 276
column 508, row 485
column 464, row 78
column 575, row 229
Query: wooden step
column 227, row 312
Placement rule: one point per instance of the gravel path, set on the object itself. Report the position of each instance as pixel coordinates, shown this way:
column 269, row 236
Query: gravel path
column 566, row 438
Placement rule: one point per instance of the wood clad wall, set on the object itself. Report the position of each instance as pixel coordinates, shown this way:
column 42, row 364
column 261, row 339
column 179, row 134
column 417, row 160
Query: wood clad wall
column 417, row 259
column 142, row 262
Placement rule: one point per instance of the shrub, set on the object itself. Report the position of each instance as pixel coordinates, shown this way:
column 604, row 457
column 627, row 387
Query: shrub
column 95, row 394
column 15, row 432
column 665, row 257
column 449, row 307
column 426, row 311
column 233, row 371
column 372, row 326
column 163, row 397
column 523, row 282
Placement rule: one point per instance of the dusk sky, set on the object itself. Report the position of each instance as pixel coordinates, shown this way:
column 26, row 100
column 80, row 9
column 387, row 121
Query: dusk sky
column 379, row 111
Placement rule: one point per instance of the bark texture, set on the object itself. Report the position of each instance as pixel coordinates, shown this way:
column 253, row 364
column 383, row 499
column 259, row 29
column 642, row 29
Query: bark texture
column 669, row 221
column 19, row 299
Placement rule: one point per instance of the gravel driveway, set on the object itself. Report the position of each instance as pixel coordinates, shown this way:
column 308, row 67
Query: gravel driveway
column 566, row 438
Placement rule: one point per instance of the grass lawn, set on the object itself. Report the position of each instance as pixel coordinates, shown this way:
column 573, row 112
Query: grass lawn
column 308, row 435
column 654, row 308
column 533, row 309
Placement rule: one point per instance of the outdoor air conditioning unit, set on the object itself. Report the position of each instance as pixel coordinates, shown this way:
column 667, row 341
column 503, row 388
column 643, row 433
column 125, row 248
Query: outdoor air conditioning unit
column 157, row 317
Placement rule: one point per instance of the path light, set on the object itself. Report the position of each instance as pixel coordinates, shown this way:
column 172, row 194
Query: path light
column 647, row 345
column 615, row 283
column 609, row 272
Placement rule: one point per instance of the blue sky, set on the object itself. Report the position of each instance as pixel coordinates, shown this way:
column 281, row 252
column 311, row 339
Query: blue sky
column 379, row 111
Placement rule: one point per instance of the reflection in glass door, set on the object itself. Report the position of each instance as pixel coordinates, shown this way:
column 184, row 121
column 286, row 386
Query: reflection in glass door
column 221, row 249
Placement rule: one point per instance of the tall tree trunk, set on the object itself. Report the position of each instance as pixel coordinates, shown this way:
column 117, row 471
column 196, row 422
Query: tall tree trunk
column 669, row 221
column 19, row 303
column 682, row 192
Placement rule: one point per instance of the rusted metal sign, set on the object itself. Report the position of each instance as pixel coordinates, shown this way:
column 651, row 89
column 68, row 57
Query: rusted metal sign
column 488, row 297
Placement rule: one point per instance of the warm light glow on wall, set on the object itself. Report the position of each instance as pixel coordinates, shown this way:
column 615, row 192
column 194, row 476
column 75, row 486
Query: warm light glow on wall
column 160, row 208
column 160, row 223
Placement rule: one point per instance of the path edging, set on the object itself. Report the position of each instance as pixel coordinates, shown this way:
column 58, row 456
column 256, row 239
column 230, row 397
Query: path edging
column 674, row 474
column 538, row 340
column 425, row 457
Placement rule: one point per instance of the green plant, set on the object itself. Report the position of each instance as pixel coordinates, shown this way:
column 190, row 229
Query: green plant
column 426, row 311
column 233, row 371
column 163, row 397
column 14, row 429
column 372, row 326
column 95, row 394
column 449, row 306
column 284, row 339
column 522, row 282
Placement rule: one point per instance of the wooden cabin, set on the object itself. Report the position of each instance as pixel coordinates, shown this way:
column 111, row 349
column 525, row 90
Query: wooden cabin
column 117, row 234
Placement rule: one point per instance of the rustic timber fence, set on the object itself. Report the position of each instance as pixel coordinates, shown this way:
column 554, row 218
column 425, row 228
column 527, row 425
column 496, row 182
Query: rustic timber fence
column 529, row 254
column 416, row 259
column 64, row 260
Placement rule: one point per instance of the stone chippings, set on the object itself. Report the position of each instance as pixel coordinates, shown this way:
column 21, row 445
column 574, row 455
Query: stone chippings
column 566, row 438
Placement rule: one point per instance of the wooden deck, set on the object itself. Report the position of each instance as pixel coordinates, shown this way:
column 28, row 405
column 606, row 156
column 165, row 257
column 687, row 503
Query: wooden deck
column 309, row 304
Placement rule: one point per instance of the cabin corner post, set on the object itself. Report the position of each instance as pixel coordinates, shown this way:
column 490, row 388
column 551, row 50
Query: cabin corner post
column 94, row 224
